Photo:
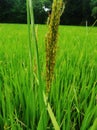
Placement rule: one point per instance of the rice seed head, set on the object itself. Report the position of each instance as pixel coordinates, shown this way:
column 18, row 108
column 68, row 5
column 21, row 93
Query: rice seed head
column 51, row 42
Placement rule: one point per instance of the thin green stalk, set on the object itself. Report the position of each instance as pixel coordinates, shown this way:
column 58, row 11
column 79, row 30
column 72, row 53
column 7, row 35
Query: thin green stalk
column 35, row 40
column 30, row 47
column 35, row 45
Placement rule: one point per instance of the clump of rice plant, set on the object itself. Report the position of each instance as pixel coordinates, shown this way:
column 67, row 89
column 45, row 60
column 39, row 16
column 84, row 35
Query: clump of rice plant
column 74, row 96
column 73, row 99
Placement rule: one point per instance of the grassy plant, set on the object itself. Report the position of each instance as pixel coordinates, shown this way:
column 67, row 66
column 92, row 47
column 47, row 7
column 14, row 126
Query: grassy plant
column 34, row 39
column 73, row 95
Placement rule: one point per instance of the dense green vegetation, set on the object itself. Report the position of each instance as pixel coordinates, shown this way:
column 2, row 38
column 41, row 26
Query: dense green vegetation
column 73, row 95
column 76, row 11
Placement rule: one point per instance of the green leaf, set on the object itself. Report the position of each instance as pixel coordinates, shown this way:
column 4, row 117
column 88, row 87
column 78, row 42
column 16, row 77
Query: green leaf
column 94, row 126
column 51, row 114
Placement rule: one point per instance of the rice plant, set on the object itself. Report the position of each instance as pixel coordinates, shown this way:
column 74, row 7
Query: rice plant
column 54, row 17
column 73, row 92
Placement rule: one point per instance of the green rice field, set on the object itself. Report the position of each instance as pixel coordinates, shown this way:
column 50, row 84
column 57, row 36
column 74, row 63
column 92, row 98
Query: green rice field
column 73, row 95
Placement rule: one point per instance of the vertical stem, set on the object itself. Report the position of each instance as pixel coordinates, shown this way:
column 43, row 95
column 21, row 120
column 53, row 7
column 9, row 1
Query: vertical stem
column 35, row 39
column 30, row 15
column 30, row 47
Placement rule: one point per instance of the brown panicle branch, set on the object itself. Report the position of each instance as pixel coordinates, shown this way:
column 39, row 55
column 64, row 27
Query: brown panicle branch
column 51, row 42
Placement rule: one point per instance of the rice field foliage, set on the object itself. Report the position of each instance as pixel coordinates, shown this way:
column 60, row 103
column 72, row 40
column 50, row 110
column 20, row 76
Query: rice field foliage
column 73, row 95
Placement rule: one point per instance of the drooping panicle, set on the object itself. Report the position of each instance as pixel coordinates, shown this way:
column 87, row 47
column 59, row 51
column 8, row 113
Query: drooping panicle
column 51, row 42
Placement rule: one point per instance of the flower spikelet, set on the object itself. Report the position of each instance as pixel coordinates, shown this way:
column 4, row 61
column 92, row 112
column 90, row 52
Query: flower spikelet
column 51, row 42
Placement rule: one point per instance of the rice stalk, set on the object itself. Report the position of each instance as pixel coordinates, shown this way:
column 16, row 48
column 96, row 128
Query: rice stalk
column 33, row 44
column 30, row 15
column 29, row 38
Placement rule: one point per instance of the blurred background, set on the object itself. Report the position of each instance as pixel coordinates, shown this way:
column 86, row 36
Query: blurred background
column 76, row 12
